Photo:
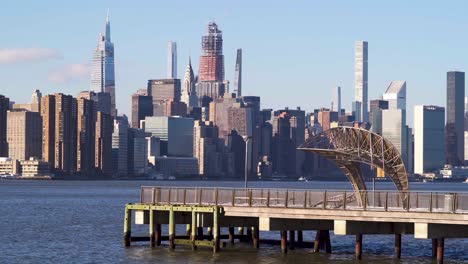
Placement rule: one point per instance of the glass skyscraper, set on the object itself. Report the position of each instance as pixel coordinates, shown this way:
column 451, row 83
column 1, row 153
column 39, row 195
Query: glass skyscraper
column 171, row 60
column 102, row 67
column 454, row 127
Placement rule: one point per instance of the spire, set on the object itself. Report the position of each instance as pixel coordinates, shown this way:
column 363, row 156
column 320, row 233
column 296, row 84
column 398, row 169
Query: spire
column 108, row 34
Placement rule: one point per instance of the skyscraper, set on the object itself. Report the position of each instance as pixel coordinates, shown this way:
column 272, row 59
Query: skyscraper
column 4, row 105
column 212, row 59
column 238, row 74
column 103, row 144
column 429, row 152
column 360, row 81
column 120, row 147
column 86, row 112
column 454, row 127
column 188, row 93
column 396, row 95
column 336, row 104
column 142, row 106
column 103, row 69
column 171, row 60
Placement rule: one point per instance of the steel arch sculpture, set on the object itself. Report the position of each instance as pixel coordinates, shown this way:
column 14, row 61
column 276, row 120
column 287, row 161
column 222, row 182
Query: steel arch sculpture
column 348, row 147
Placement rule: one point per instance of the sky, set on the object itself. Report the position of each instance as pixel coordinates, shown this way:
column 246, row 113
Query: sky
column 294, row 52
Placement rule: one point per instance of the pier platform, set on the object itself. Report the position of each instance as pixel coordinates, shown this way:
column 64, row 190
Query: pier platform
column 426, row 215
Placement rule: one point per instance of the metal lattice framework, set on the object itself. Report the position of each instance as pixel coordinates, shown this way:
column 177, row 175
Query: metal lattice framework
column 348, row 147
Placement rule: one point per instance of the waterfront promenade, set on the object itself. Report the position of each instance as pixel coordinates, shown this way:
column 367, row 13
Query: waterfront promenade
column 426, row 215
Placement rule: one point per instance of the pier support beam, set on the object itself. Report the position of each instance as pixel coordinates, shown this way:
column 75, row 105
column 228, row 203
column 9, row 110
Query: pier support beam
column 171, row 229
column 127, row 227
column 440, row 250
column 300, row 237
column 292, row 239
column 255, row 236
column 199, row 233
column 284, row 242
column 322, row 241
column 231, row 235
column 158, row 234
column 434, row 248
column 188, row 229
column 397, row 246
column 193, row 234
column 152, row 236
column 215, row 230
column 358, row 249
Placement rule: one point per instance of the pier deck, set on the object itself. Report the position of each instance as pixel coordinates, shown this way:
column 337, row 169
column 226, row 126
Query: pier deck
column 426, row 215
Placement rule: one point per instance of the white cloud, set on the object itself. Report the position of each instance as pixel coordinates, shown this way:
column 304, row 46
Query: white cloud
column 28, row 55
column 70, row 72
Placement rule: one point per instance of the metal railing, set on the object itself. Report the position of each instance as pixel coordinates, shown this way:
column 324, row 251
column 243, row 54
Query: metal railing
column 434, row 202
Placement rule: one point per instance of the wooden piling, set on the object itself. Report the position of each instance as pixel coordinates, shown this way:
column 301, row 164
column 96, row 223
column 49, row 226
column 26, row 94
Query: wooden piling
column 231, row 234
column 127, row 226
column 158, row 234
column 200, row 233
column 249, row 234
column 284, row 242
column 440, row 250
column 358, row 249
column 193, row 234
column 171, row 228
column 215, row 230
column 188, row 229
column 256, row 236
column 322, row 241
column 326, row 234
column 151, row 229
column 434, row 248
column 397, row 246
column 300, row 237
column 292, row 239
column 317, row 242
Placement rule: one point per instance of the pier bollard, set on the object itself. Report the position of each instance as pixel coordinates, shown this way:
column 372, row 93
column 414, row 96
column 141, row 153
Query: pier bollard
column 292, row 239
column 300, row 237
column 358, row 248
column 231, row 234
column 194, row 229
column 256, row 236
column 398, row 246
column 127, row 226
column 151, row 229
column 284, row 242
column 440, row 250
column 215, row 230
column 171, row 228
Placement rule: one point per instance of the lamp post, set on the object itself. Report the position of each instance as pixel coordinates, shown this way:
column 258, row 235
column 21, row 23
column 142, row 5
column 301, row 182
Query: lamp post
column 246, row 165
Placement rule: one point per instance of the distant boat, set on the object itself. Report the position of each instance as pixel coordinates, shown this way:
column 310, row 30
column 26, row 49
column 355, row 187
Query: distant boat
column 302, row 178
column 466, row 181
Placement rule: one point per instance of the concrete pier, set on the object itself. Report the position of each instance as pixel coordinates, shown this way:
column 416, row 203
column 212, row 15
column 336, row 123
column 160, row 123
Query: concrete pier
column 433, row 216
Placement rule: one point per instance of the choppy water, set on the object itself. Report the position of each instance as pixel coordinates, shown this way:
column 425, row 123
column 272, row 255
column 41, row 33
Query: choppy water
column 81, row 222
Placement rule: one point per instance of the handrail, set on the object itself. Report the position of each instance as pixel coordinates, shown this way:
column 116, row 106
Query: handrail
column 421, row 201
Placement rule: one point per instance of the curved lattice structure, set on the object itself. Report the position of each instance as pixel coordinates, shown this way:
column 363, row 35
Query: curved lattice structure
column 348, row 147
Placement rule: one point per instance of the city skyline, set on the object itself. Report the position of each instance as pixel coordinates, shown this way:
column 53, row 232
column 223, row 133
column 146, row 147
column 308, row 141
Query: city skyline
column 258, row 65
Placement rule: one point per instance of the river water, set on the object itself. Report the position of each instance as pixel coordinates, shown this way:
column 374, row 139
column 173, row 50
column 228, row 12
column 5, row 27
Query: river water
column 82, row 222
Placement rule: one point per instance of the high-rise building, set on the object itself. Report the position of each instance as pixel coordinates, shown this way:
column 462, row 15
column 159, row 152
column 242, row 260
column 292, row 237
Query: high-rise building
column 189, row 93
column 137, row 153
column 48, row 129
column 238, row 74
column 325, row 117
column 336, row 104
column 103, row 68
column 4, row 106
column 214, row 159
column 176, row 134
column 360, row 81
column 396, row 95
column 164, row 89
column 103, row 143
column 454, row 127
column 171, row 60
column 375, row 115
column 34, row 105
column 212, row 59
column 142, row 106
column 86, row 113
column 120, row 147
column 288, row 134
column 59, row 132
column 394, row 129
column 429, row 149
column 24, row 134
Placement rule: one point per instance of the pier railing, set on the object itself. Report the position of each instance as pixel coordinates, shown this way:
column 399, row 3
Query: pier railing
column 433, row 202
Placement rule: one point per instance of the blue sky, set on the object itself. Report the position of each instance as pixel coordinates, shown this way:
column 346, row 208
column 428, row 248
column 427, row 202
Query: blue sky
column 295, row 52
